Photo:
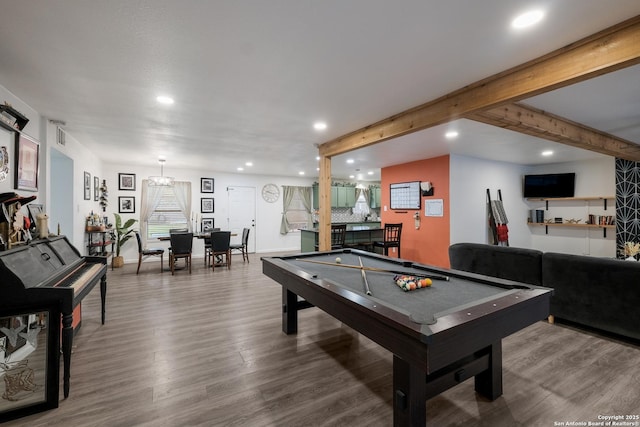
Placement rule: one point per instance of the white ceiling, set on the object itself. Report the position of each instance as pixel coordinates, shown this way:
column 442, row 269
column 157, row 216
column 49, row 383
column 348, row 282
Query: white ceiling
column 249, row 77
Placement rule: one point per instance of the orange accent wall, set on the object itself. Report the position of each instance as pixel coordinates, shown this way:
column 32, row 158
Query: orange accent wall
column 430, row 243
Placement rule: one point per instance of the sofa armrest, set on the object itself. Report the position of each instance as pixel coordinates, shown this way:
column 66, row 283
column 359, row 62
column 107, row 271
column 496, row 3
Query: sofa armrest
column 597, row 292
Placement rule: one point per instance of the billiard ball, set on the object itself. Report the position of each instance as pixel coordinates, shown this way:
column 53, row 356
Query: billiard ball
column 338, row 260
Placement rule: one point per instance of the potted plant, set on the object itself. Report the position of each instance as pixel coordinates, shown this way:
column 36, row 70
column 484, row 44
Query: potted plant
column 122, row 234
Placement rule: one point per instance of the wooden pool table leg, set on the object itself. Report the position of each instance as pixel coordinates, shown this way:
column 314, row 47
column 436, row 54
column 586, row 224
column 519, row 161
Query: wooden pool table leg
column 409, row 394
column 489, row 382
column 289, row 312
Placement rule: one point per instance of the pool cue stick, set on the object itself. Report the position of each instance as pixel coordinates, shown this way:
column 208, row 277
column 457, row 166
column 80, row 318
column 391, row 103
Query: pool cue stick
column 364, row 277
column 380, row 270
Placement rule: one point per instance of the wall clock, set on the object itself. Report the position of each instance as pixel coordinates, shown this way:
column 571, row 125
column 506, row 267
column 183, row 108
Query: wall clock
column 270, row 193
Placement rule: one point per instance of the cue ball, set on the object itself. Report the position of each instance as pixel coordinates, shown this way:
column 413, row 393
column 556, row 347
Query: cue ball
column 338, row 260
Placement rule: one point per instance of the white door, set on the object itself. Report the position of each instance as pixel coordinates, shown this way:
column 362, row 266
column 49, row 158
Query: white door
column 242, row 214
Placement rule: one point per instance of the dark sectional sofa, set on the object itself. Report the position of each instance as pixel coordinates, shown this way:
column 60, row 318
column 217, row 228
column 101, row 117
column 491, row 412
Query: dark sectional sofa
column 596, row 292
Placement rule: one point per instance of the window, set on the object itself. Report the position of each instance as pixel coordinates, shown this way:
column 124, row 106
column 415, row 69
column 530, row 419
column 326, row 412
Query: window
column 297, row 214
column 166, row 216
column 361, row 207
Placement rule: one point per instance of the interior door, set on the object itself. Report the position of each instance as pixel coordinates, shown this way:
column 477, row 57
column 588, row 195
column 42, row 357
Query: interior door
column 242, row 213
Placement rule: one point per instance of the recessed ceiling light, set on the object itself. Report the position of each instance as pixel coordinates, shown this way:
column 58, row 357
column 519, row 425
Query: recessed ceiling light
column 370, row 173
column 351, row 176
column 451, row 134
column 249, row 164
column 350, row 161
column 164, row 100
column 319, row 125
column 527, row 19
column 240, row 169
column 318, row 158
column 301, row 173
column 547, row 153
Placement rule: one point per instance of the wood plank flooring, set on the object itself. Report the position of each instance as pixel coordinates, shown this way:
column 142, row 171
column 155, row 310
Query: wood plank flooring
column 207, row 349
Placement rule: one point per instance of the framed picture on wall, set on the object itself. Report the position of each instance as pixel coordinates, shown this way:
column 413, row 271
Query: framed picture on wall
column 206, row 205
column 126, row 204
column 207, row 224
column 96, row 188
column 87, row 186
column 207, row 185
column 127, row 181
column 27, row 155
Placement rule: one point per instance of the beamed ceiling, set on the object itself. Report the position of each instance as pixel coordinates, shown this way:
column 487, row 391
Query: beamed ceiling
column 495, row 100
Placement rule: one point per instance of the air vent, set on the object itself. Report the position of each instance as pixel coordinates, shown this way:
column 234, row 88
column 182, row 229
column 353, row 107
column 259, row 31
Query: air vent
column 60, row 136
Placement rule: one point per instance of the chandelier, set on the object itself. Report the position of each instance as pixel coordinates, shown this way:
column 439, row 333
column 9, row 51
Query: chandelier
column 161, row 181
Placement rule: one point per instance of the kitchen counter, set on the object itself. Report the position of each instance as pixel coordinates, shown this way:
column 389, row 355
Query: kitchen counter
column 359, row 234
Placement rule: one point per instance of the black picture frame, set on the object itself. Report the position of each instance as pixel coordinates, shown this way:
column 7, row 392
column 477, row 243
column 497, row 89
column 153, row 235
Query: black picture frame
column 207, row 205
column 207, row 224
column 405, row 195
column 126, row 204
column 207, row 185
column 96, row 188
column 87, row 186
column 127, row 181
column 27, row 162
column 33, row 357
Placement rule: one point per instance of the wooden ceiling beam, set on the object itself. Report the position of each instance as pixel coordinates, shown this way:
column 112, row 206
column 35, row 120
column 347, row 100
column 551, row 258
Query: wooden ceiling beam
column 532, row 121
column 610, row 50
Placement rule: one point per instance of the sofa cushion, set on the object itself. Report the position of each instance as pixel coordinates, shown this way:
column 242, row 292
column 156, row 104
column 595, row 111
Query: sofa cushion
column 598, row 292
column 506, row 262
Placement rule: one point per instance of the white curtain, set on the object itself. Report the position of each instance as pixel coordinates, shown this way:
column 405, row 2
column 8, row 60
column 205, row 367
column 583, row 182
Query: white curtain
column 182, row 190
column 287, row 197
column 151, row 196
column 305, row 195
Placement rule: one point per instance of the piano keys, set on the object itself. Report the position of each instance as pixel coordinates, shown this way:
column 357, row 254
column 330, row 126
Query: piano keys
column 52, row 271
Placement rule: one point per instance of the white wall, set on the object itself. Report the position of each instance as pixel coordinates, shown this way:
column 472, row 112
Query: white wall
column 593, row 178
column 469, row 180
column 84, row 160
column 268, row 215
column 470, row 177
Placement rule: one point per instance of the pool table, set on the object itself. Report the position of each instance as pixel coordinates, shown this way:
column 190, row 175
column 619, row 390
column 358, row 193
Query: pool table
column 440, row 335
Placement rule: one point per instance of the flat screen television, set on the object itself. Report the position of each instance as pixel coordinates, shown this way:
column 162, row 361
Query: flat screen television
column 549, row 185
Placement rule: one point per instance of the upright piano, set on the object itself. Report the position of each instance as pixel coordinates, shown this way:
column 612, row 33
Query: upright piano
column 52, row 271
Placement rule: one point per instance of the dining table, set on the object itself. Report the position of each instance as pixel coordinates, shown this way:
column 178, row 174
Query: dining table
column 198, row 234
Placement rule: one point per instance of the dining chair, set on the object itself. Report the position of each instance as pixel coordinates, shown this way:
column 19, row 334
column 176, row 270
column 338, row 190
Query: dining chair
column 338, row 233
column 391, row 236
column 145, row 253
column 207, row 245
column 242, row 246
column 181, row 246
column 220, row 247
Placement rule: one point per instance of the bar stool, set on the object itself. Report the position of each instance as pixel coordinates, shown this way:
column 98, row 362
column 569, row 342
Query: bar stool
column 391, row 238
column 338, row 233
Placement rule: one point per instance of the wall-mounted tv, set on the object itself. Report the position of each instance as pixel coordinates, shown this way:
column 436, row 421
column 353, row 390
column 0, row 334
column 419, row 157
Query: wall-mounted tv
column 549, row 185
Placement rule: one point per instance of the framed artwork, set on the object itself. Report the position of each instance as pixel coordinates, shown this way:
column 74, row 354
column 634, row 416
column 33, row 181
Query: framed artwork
column 127, row 181
column 4, row 163
column 206, row 205
column 87, row 186
column 126, row 204
column 206, row 224
column 27, row 160
column 29, row 361
column 206, row 185
column 96, row 188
